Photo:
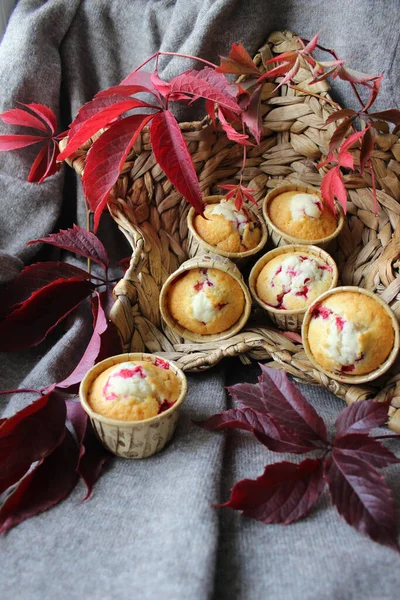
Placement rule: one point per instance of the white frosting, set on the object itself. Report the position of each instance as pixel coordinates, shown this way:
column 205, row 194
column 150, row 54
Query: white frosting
column 123, row 387
column 343, row 344
column 297, row 273
column 227, row 209
column 304, row 205
column 202, row 308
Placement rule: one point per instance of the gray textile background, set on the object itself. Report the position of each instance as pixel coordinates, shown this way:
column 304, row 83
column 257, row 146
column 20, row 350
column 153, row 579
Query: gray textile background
column 149, row 530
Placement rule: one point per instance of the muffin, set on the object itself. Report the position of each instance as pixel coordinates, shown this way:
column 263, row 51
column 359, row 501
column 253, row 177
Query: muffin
column 228, row 229
column 205, row 301
column 134, row 390
column 292, row 281
column 350, row 333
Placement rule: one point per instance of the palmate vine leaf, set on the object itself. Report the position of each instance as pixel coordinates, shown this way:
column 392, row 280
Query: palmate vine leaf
column 362, row 497
column 34, row 494
column 43, row 112
column 80, row 241
column 28, row 436
column 361, row 417
column 284, row 493
column 37, row 316
column 106, row 158
column 173, row 156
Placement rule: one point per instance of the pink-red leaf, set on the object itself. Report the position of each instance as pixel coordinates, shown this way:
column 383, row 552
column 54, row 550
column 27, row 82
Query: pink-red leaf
column 287, row 405
column 13, row 142
column 48, row 483
column 333, row 187
column 374, row 91
column 232, row 134
column 205, row 84
column 367, row 145
column 311, row 45
column 362, row 496
column 352, row 139
column 284, row 493
column 365, row 448
column 106, row 159
column 34, row 277
column 173, row 156
column 19, row 116
column 239, row 62
column 355, row 76
column 80, row 241
column 29, row 324
column 28, row 436
column 139, row 79
column 361, row 417
column 252, row 115
column 210, row 108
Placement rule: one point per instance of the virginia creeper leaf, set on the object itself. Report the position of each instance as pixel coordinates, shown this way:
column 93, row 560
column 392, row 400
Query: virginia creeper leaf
column 333, row 187
column 393, row 116
column 339, row 134
column 252, row 115
column 352, row 139
column 13, row 142
column 39, row 166
column 80, row 241
column 361, row 417
column 173, row 156
column 367, row 145
column 365, row 448
column 43, row 112
column 205, row 84
column 239, row 62
column 29, row 324
column 232, row 134
column 19, row 116
column 340, row 114
column 284, row 493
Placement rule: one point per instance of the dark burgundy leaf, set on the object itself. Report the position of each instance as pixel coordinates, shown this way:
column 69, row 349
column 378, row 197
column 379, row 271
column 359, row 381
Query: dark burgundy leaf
column 267, row 431
column 19, row 116
column 33, row 278
column 248, row 395
column 89, row 357
column 80, row 241
column 362, row 496
column 28, row 436
column 106, row 159
column 173, row 156
column 47, row 484
column 284, row 493
column 340, row 133
column 367, row 145
column 232, row 134
column 393, row 116
column 286, row 404
column 340, row 114
column 252, row 115
column 361, row 417
column 13, row 142
column 205, row 84
column 365, row 448
column 29, row 324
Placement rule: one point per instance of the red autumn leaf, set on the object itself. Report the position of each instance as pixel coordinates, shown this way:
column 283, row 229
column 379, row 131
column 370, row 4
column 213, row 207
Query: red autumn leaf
column 376, row 86
column 13, row 142
column 28, row 436
column 367, row 145
column 39, row 166
column 345, row 160
column 287, row 405
column 340, row 114
column 333, row 187
column 238, row 193
column 365, row 448
column 210, row 108
column 339, row 134
column 29, row 324
column 239, row 62
column 80, row 241
column 311, row 45
column 87, row 125
column 284, row 493
column 289, row 69
column 361, row 495
column 139, row 79
column 106, row 159
column 205, row 84
column 47, row 484
column 19, row 116
column 161, row 86
column 248, row 395
column 93, row 348
column 361, row 417
column 232, row 134
column 252, row 115
column 355, row 76
column 173, row 156
column 267, row 431
column 43, row 112
column 34, row 277
column 392, row 116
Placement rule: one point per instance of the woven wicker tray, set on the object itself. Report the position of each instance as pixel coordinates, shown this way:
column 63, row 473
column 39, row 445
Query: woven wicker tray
column 152, row 215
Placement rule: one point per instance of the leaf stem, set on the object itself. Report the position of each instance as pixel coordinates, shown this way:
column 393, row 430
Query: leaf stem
column 189, row 56
column 387, row 437
column 89, row 225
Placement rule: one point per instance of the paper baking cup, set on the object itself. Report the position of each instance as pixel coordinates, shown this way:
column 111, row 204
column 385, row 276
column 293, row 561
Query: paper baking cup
column 288, row 320
column 280, row 238
column 198, row 247
column 132, row 439
column 205, row 262
column 352, row 379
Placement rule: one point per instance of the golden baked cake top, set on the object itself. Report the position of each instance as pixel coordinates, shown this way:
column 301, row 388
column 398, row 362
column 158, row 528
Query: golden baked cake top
column 350, row 333
column 132, row 391
column 302, row 215
column 206, row 301
column 227, row 228
column 293, row 280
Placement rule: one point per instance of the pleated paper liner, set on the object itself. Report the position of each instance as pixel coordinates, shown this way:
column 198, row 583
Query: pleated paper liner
column 205, row 262
column 132, row 439
column 197, row 246
column 153, row 217
column 280, row 238
column 352, row 379
column 288, row 320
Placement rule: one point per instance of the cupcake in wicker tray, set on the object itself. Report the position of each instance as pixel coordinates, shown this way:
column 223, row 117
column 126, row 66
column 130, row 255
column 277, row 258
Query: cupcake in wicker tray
column 205, row 299
column 226, row 231
column 296, row 214
column 286, row 280
column 133, row 402
column 351, row 335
